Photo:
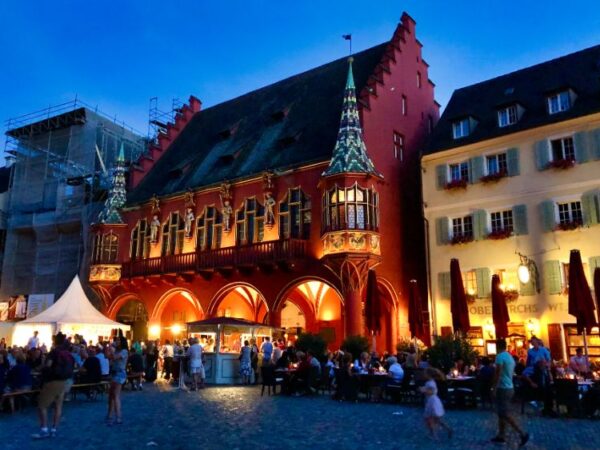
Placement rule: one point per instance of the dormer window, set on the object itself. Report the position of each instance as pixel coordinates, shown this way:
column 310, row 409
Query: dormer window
column 559, row 102
column 508, row 116
column 461, row 128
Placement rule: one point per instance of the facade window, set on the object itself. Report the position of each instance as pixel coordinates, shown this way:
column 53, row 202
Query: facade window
column 470, row 282
column 250, row 219
column 502, row 221
column 173, row 234
column 509, row 279
column 496, row 164
column 507, row 116
column 570, row 213
column 563, row 149
column 462, row 227
column 209, row 229
column 140, row 241
column 106, row 248
column 404, row 105
column 559, row 102
column 419, row 79
column 353, row 208
column 295, row 215
column 398, row 146
column 459, row 171
column 461, row 128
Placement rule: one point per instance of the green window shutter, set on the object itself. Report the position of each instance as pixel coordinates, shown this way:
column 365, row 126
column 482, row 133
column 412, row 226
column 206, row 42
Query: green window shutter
column 590, row 208
column 595, row 147
column 475, row 169
column 527, row 289
column 542, row 154
column 548, row 217
column 480, row 224
column 552, row 277
column 581, row 147
column 484, row 281
column 594, row 263
column 442, row 230
column 444, row 284
column 441, row 173
column 520, row 220
column 512, row 162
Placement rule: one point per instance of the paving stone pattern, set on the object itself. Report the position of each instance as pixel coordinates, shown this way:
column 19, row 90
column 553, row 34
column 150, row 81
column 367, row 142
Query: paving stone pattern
column 239, row 418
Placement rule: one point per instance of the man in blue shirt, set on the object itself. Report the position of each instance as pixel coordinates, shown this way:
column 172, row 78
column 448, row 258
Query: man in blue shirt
column 503, row 391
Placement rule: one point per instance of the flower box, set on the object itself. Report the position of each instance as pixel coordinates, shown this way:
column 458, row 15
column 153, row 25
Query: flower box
column 566, row 226
column 456, row 184
column 500, row 234
column 561, row 164
column 494, row 177
column 471, row 298
column 461, row 239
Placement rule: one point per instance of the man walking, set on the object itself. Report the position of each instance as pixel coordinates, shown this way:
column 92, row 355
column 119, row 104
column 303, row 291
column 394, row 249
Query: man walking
column 57, row 370
column 503, row 392
column 266, row 349
column 194, row 353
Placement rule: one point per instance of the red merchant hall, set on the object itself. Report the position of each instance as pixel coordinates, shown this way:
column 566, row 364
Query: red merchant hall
column 273, row 206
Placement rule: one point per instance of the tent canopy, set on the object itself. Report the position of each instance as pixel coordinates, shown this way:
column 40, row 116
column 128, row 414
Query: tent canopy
column 73, row 307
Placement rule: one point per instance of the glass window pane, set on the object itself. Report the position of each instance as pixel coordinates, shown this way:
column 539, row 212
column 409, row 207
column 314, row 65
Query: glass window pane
column 351, row 216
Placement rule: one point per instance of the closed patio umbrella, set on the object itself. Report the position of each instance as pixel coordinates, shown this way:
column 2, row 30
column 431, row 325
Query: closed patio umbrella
column 415, row 312
column 499, row 309
column 372, row 306
column 597, row 288
column 581, row 303
column 458, row 299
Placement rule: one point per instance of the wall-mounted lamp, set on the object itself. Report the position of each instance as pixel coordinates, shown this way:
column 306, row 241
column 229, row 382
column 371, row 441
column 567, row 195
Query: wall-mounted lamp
column 528, row 272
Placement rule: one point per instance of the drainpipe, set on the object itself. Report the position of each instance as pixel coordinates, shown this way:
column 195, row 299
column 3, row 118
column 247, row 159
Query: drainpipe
column 431, row 303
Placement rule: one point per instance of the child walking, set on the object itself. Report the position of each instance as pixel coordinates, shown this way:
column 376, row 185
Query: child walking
column 434, row 410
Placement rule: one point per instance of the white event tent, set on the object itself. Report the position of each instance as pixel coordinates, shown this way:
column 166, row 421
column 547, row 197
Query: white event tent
column 72, row 313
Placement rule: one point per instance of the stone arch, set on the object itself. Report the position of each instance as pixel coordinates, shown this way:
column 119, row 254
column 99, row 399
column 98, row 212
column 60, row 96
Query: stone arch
column 321, row 303
column 168, row 295
column 251, row 304
column 389, row 335
column 119, row 302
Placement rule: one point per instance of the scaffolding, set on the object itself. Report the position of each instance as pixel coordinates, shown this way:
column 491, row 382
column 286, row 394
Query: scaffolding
column 158, row 119
column 63, row 156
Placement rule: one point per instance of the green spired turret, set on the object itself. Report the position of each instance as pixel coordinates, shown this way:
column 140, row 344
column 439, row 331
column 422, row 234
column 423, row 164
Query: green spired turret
column 117, row 196
column 350, row 152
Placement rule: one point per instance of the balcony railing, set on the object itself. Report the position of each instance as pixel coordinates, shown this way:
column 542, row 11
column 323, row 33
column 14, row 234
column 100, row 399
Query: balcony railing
column 222, row 258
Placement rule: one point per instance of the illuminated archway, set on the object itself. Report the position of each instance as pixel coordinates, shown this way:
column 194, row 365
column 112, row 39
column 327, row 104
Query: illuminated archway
column 388, row 336
column 133, row 313
column 320, row 305
column 173, row 310
column 240, row 300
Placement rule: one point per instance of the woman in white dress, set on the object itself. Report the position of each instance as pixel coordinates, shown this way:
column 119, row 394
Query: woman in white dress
column 434, row 409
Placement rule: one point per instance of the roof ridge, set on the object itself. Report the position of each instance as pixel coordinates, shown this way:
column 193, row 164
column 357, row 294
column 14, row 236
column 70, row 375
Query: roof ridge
column 527, row 68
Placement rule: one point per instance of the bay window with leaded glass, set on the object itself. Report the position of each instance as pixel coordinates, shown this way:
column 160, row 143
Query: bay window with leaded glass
column 350, row 208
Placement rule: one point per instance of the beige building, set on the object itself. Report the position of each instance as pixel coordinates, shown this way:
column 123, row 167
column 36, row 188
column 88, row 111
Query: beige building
column 512, row 176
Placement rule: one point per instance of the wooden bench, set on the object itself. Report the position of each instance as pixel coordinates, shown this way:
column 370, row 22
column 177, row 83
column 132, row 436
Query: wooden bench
column 11, row 396
column 93, row 388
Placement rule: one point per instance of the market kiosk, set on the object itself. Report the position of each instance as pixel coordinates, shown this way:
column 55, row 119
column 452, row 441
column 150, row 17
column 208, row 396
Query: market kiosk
column 222, row 339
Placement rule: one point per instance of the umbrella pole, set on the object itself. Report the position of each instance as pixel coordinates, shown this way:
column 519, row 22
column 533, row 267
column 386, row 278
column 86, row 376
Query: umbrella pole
column 585, row 345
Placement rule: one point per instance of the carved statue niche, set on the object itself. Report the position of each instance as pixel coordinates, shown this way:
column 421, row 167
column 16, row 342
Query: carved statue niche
column 154, row 229
column 188, row 222
column 269, row 199
column 188, row 199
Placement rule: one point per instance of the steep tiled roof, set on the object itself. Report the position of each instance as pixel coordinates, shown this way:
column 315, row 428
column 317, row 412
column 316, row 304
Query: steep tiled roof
column 287, row 124
column 529, row 88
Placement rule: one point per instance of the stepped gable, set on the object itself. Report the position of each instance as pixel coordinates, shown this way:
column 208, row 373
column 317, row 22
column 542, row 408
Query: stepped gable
column 528, row 87
column 287, row 124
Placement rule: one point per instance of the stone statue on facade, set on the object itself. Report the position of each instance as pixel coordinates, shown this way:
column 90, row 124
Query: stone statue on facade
column 226, row 208
column 269, row 208
column 154, row 227
column 188, row 222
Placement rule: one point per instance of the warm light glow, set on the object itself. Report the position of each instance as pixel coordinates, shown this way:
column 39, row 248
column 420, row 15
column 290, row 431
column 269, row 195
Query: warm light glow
column 471, row 291
column 187, row 296
column 501, row 287
column 523, row 274
column 176, row 329
column 154, row 331
column 327, row 315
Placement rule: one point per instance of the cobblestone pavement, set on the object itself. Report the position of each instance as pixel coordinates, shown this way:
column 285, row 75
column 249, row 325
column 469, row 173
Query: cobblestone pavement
column 239, row 418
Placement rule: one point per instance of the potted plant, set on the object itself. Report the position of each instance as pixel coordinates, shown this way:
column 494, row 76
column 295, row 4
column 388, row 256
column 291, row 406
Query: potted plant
column 571, row 225
column 494, row 177
column 511, row 295
column 355, row 345
column 447, row 349
column 456, row 184
column 313, row 343
column 461, row 239
column 502, row 233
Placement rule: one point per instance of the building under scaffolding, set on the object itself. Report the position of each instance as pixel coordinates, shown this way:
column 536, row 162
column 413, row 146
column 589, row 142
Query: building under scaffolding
column 63, row 157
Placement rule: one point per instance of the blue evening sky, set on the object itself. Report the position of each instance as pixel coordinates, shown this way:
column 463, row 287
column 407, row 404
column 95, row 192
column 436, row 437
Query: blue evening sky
column 118, row 54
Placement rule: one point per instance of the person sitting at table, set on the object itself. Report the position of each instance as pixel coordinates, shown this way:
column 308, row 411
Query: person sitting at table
column 395, row 371
column 136, row 370
column 35, row 359
column 460, row 367
column 363, row 364
column 424, row 361
column 91, row 371
column 485, row 377
column 315, row 371
column 539, row 379
column 300, row 379
column 18, row 379
column 580, row 364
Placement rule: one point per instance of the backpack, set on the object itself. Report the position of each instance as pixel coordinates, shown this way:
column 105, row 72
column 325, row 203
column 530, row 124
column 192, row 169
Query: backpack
column 62, row 365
